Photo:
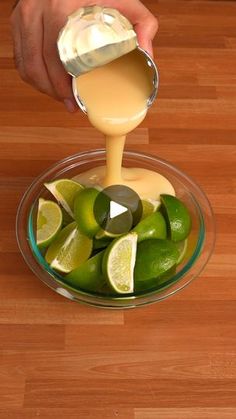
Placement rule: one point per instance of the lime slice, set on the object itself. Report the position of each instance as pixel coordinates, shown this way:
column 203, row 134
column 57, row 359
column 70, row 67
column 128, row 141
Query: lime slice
column 177, row 217
column 149, row 207
column 69, row 250
column 151, row 227
column 118, row 263
column 154, row 258
column 65, row 190
column 49, row 221
column 83, row 211
column 88, row 276
column 182, row 248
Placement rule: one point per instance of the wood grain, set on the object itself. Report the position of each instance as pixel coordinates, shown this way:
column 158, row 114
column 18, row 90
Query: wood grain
column 173, row 360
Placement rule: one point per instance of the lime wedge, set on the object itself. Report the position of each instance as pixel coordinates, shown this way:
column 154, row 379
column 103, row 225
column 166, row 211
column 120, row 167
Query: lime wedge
column 149, row 207
column 155, row 257
column 83, row 210
column 182, row 247
column 118, row 263
column 69, row 250
column 49, row 221
column 65, row 190
column 177, row 216
column 151, row 227
column 88, row 275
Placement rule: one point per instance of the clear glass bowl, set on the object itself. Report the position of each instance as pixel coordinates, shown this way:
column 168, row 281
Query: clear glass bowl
column 200, row 242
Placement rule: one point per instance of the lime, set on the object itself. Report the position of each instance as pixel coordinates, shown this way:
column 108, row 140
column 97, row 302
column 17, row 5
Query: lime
column 151, row 227
column 65, row 190
column 69, row 249
column 149, row 206
column 182, row 248
column 154, row 258
column 118, row 263
column 177, row 217
column 88, row 276
column 83, row 211
column 153, row 283
column 49, row 221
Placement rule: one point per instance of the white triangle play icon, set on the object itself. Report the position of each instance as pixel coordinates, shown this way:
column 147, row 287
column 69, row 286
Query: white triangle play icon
column 116, row 209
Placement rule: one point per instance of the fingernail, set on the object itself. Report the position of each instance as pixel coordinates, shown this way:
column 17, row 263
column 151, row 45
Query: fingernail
column 70, row 105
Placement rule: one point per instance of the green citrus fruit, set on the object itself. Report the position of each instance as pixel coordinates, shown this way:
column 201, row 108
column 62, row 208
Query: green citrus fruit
column 83, row 212
column 118, row 263
column 177, row 216
column 49, row 221
column 154, row 258
column 69, row 250
column 88, row 276
column 65, row 190
column 149, row 207
column 151, row 227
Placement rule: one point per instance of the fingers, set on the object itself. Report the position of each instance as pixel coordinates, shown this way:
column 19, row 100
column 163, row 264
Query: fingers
column 28, row 46
column 145, row 23
column 60, row 80
column 146, row 31
column 36, row 56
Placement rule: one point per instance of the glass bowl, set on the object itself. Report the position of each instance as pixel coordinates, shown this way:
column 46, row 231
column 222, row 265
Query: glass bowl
column 200, row 242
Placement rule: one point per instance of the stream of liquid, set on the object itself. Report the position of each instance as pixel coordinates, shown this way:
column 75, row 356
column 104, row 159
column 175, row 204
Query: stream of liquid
column 115, row 96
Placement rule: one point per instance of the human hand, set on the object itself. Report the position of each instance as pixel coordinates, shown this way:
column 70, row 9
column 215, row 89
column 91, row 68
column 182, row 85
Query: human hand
column 35, row 29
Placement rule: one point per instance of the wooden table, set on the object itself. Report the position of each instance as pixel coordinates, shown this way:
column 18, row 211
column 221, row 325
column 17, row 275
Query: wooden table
column 172, row 360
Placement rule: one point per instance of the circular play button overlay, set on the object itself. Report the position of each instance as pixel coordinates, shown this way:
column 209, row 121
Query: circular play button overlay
column 117, row 209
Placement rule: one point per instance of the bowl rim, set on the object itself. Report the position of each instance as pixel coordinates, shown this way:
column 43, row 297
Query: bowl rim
column 103, row 300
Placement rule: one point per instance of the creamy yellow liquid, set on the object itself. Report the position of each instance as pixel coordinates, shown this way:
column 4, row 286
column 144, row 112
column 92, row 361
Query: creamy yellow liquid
column 146, row 183
column 115, row 97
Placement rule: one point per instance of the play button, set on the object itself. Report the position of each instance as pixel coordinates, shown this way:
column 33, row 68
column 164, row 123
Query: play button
column 117, row 209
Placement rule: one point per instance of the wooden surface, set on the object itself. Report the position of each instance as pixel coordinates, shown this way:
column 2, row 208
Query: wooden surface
column 172, row 360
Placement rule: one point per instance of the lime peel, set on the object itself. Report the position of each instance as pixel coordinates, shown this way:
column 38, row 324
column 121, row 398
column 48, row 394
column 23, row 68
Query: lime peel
column 177, row 216
column 84, row 214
